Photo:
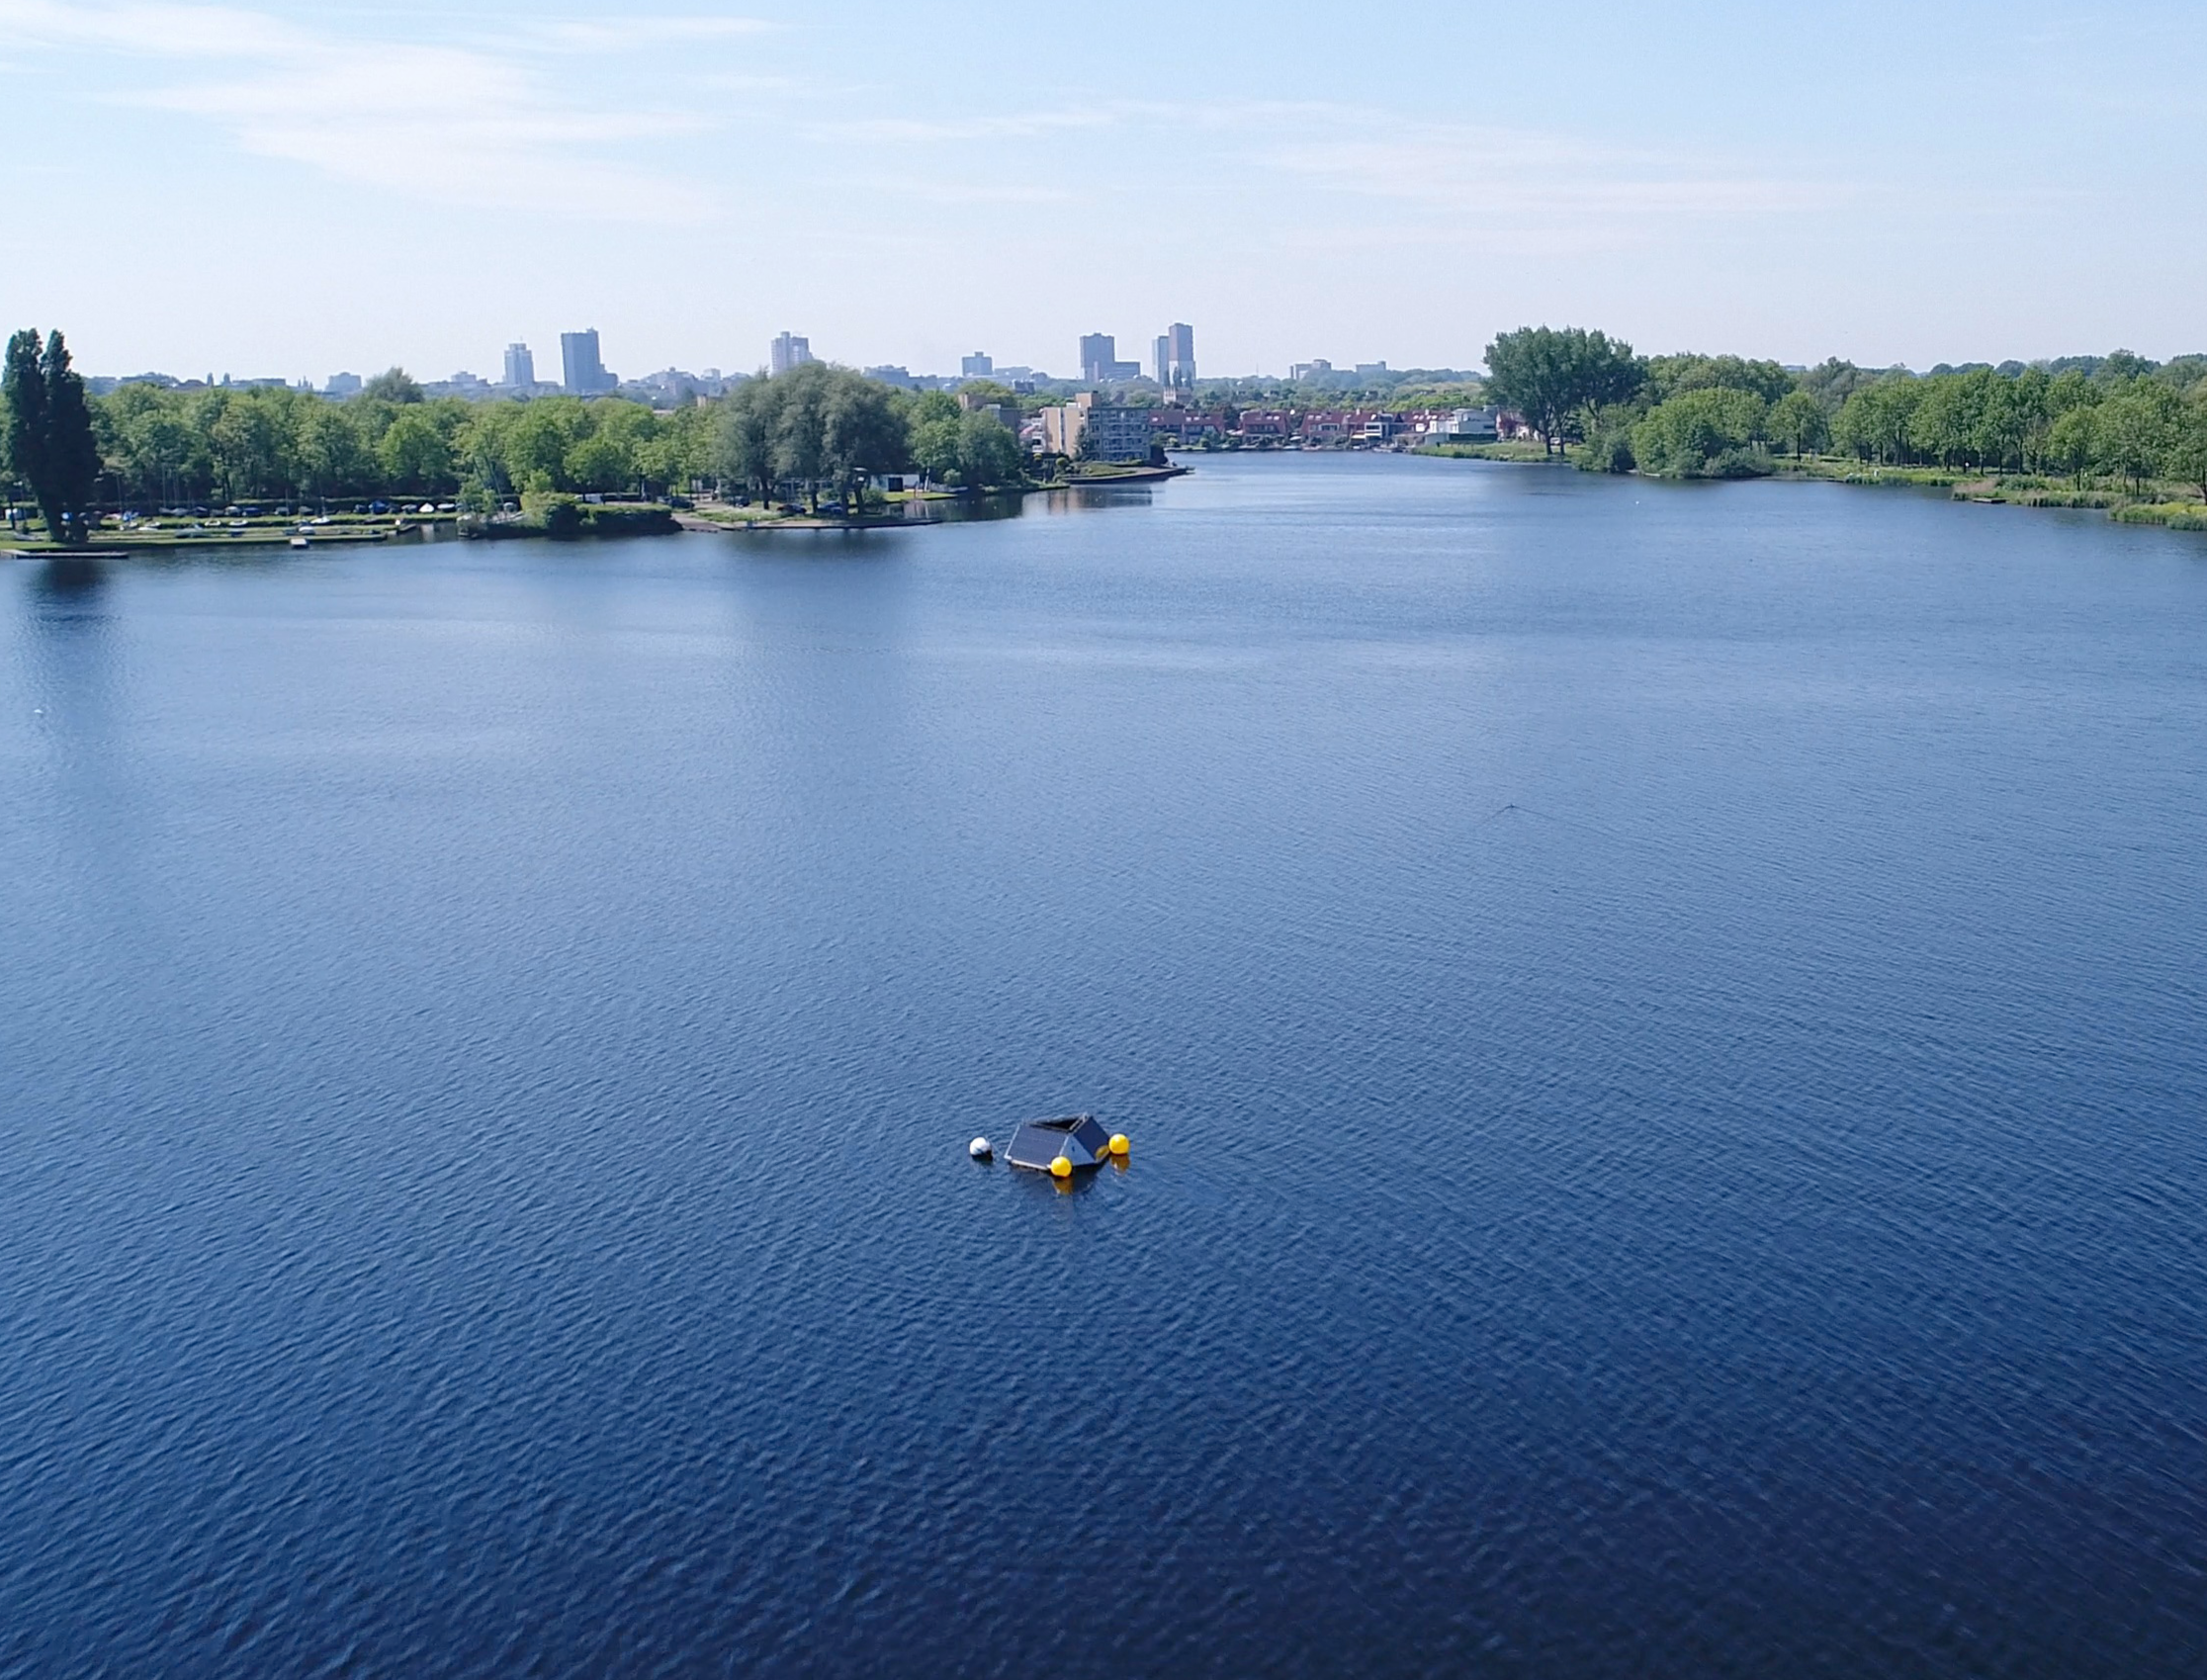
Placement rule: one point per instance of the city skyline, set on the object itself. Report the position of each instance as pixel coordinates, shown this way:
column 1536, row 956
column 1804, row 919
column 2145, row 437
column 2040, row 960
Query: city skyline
column 1560, row 179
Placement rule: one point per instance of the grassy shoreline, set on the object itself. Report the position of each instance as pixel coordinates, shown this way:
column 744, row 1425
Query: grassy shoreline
column 2177, row 508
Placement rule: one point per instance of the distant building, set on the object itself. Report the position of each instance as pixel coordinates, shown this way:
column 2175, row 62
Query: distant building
column 1097, row 431
column 979, row 365
column 586, row 374
column 1005, row 415
column 890, row 373
column 1161, row 358
column 1318, row 368
column 343, row 385
column 521, row 367
column 1178, row 372
column 1371, row 370
column 788, row 351
column 675, row 388
column 1099, row 355
column 462, row 385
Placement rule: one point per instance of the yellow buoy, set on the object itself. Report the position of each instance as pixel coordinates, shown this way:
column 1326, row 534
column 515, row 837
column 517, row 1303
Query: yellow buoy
column 1118, row 1143
column 1061, row 1168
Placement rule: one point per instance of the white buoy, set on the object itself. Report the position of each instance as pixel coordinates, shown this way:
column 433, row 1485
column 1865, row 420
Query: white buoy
column 979, row 1149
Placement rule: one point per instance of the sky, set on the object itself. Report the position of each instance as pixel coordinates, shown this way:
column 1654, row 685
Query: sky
column 275, row 189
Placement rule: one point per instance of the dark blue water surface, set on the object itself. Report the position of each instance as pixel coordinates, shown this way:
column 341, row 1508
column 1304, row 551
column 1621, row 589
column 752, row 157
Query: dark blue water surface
column 1665, row 1032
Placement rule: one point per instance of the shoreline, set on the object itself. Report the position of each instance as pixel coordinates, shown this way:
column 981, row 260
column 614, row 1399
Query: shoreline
column 1991, row 489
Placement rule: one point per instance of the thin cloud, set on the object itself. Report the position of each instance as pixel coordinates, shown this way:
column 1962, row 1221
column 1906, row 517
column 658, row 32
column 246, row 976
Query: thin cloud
column 1484, row 172
column 444, row 123
column 1027, row 124
column 637, row 34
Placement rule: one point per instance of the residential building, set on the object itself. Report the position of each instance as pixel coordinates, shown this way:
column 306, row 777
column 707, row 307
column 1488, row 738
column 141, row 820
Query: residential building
column 583, row 374
column 343, row 385
column 1324, row 426
column 1097, row 431
column 890, row 373
column 1186, row 425
column 976, row 366
column 1469, row 425
column 1371, row 370
column 1315, row 369
column 789, row 351
column 1178, row 372
column 521, row 367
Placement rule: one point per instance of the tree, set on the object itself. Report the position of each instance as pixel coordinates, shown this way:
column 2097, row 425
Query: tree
column 2136, row 426
column 24, row 416
column 2187, row 452
column 49, row 437
column 800, row 428
column 1556, row 378
column 1706, row 433
column 1674, row 375
column 861, row 433
column 414, row 453
column 2073, row 440
column 1874, row 423
column 393, row 385
column 989, row 452
column 744, row 449
column 1798, row 420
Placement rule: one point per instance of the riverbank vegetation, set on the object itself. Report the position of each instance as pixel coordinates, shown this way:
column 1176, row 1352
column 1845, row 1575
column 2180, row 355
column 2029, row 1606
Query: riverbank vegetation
column 816, row 435
column 2117, row 431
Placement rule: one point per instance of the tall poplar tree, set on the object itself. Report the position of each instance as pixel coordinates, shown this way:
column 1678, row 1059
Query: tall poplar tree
column 50, row 441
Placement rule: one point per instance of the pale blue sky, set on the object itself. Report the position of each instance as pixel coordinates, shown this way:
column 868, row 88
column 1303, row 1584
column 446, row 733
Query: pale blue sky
column 280, row 189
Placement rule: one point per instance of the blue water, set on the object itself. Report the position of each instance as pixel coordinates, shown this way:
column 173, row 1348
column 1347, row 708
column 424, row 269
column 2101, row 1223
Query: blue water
column 1664, row 1031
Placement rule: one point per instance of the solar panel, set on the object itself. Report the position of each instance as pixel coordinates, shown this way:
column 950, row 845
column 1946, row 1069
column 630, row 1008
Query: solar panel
column 1078, row 1137
column 1034, row 1144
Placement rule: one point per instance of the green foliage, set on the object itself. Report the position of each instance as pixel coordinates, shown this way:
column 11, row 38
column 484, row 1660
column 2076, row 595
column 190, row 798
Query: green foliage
column 1799, row 422
column 2187, row 450
column 2073, row 440
column 1609, row 442
column 1674, row 375
column 820, row 428
column 1874, row 423
column 1712, row 432
column 989, row 453
column 168, row 447
column 1557, row 378
column 49, row 436
column 2137, row 426
column 553, row 512
column 415, row 454
column 393, row 385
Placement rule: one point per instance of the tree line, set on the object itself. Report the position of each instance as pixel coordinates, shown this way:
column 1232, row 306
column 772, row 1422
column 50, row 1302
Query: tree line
column 1719, row 417
column 817, row 431
column 826, row 430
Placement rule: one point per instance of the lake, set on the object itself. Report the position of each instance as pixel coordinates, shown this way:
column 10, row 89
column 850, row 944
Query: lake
column 1663, row 1031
